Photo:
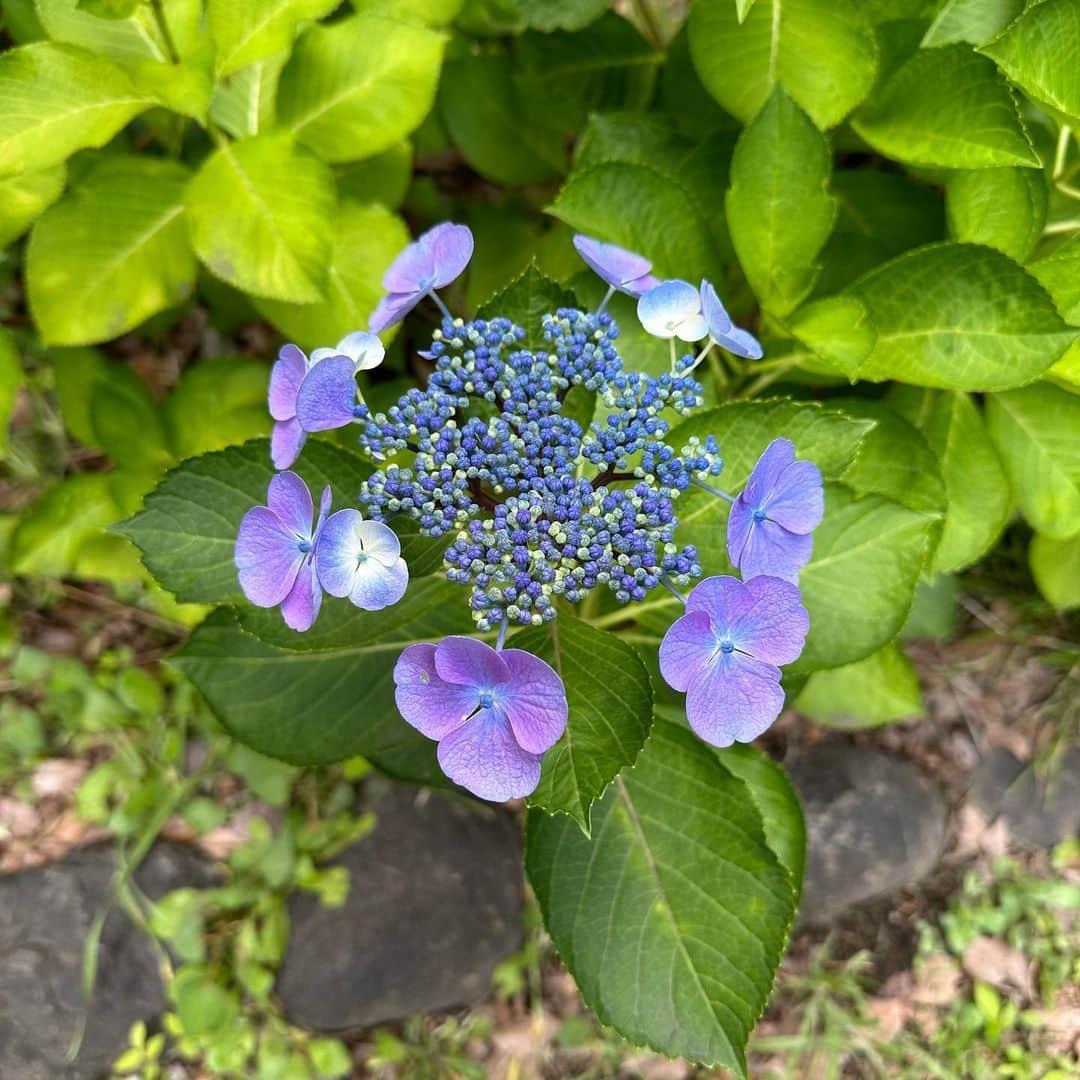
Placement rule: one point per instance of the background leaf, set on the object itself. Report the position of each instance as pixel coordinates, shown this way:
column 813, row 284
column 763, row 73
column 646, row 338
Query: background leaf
column 11, row 378
column 611, row 713
column 877, row 690
column 249, row 30
column 824, row 55
column 1055, row 565
column 1035, row 431
column 356, row 87
column 959, row 316
column 366, row 238
column 260, row 213
column 973, row 21
column 55, row 99
column 1040, row 52
column 704, row 901
column 947, row 107
column 1002, row 208
column 979, row 498
column 779, row 209
column 525, row 301
column 24, row 198
column 111, row 253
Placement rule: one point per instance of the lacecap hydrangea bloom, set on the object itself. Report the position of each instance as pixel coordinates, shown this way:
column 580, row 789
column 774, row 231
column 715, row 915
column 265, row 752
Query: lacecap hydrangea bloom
column 538, row 508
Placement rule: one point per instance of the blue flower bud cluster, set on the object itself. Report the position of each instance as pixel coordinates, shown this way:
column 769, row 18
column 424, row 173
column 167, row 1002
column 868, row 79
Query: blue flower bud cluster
column 541, row 508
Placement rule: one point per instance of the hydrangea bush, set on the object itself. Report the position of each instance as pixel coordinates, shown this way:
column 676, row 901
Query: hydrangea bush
column 540, row 510
column 547, row 522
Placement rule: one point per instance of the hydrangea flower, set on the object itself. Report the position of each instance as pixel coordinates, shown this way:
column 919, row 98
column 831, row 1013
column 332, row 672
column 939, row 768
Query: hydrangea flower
column 725, row 652
column 276, row 548
column 623, row 270
column 673, row 310
column 435, row 259
column 494, row 714
column 288, row 437
column 361, row 560
column 326, row 398
column 770, row 523
column 723, row 331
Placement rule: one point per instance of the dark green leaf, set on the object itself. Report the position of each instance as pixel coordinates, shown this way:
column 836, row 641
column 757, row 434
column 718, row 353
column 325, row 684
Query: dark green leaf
column 673, row 916
column 611, row 712
column 525, row 301
column 326, row 695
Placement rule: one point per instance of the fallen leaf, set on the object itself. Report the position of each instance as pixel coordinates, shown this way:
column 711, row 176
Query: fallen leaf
column 991, row 961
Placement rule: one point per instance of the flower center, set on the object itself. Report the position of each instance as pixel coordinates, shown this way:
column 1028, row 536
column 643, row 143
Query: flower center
column 303, row 546
column 727, row 646
column 361, row 557
column 759, row 515
column 486, row 699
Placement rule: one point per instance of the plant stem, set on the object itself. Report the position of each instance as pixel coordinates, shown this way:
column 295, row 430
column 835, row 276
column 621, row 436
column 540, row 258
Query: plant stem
column 166, row 33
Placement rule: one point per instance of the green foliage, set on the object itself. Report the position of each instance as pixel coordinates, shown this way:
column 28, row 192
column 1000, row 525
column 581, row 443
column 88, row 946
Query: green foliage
column 611, row 708
column 778, row 207
column 704, row 900
column 187, row 168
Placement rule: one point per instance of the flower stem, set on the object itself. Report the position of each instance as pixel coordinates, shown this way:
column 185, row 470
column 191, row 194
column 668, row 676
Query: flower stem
column 701, row 356
column 670, row 586
column 607, row 296
column 440, row 305
column 712, row 490
column 671, row 346
column 501, row 639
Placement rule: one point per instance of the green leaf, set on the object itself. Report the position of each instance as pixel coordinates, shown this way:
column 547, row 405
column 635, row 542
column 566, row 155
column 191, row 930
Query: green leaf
column 948, row 107
column 644, row 210
column 217, row 402
column 879, row 215
column 128, row 426
column 961, row 317
column 894, row 459
column 383, row 178
column 498, row 131
column 51, row 532
column 525, row 301
column 1059, row 273
column 877, row 690
column 365, row 241
column 1055, row 565
column 127, row 39
column 243, row 103
column 109, row 9
column 837, row 330
column 261, row 213
column 114, row 251
column 743, row 430
column 742, row 8
column 1035, row 431
column 824, row 55
column 330, row 1057
column 979, row 499
column 779, row 209
column 203, row 1006
column 24, row 198
column 696, row 906
column 11, row 378
column 777, row 802
column 187, row 528
column 356, row 87
column 56, row 99
column 75, row 374
column 1002, row 208
column 611, row 713
column 868, row 555
column 1040, row 52
column 326, row 695
column 249, row 30
column 933, row 611
column 973, row 21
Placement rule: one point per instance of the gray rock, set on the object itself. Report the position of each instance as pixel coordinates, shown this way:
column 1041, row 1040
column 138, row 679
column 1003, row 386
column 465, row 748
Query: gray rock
column 874, row 824
column 1040, row 811
column 434, row 905
column 45, row 915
